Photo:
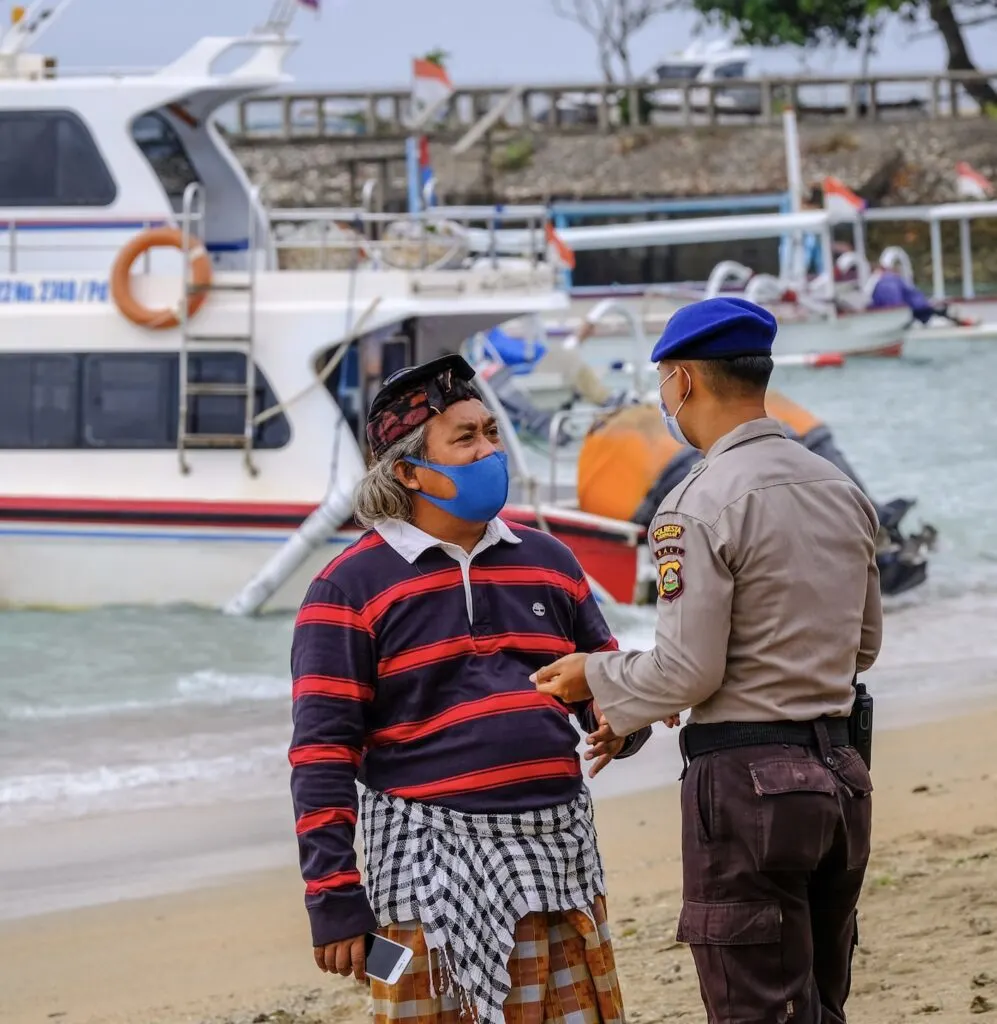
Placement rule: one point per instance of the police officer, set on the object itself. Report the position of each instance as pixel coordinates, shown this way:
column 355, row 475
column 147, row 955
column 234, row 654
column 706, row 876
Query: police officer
column 769, row 604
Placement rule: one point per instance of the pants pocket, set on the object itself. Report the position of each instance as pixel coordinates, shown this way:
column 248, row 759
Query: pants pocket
column 856, row 809
column 796, row 813
column 737, row 949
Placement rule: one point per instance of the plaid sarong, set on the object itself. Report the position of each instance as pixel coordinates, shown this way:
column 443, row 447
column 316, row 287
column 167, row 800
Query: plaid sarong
column 562, row 971
column 469, row 879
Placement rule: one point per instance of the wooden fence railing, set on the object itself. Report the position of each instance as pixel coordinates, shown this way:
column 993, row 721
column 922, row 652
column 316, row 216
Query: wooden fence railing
column 588, row 106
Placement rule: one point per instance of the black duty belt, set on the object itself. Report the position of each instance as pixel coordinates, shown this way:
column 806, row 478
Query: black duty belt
column 698, row 739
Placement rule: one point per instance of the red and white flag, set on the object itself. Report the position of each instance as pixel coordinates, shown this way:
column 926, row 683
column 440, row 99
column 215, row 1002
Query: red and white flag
column 431, row 85
column 839, row 198
column 562, row 252
column 970, row 184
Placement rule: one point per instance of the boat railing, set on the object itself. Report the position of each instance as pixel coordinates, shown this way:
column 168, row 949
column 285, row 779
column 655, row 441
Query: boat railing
column 578, row 416
column 438, row 238
column 441, row 238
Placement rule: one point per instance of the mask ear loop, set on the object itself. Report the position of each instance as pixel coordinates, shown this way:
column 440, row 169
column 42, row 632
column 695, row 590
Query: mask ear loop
column 664, row 382
column 687, row 394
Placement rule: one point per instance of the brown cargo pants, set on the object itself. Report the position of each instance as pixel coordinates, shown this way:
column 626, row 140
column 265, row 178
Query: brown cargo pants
column 775, row 843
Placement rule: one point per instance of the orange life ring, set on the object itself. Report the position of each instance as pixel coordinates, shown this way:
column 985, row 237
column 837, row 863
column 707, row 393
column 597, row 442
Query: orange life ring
column 121, row 289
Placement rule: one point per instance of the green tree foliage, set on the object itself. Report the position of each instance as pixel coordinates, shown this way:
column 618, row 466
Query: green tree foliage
column 854, row 23
column 797, row 22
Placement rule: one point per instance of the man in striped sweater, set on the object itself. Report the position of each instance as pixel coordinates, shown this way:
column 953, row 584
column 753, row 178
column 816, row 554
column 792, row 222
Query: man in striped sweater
column 411, row 659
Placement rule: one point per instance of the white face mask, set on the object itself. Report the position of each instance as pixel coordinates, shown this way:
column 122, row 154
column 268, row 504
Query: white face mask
column 670, row 421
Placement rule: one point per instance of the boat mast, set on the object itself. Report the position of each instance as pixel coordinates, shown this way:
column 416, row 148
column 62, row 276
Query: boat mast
column 31, row 25
column 281, row 16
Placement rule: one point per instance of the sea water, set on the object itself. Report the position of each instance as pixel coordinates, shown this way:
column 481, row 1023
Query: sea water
column 135, row 708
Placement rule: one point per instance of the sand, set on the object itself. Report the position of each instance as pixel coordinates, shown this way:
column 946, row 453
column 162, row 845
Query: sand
column 239, row 951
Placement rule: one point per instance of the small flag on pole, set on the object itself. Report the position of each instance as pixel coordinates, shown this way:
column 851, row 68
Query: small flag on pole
column 424, row 71
column 970, row 184
column 563, row 253
column 431, row 89
column 839, row 198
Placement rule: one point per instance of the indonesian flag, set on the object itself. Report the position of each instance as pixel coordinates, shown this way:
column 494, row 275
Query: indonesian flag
column 970, row 184
column 839, row 198
column 430, row 84
column 562, row 252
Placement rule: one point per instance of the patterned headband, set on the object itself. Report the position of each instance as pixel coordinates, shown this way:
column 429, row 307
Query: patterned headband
column 413, row 407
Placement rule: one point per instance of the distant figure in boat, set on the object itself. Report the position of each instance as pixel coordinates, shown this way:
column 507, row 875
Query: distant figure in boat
column 890, row 290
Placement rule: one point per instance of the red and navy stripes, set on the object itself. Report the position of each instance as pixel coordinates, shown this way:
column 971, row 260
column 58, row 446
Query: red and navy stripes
column 395, row 685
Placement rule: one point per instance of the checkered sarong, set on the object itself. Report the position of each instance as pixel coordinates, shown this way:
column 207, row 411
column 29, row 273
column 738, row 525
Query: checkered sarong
column 562, row 968
column 468, row 879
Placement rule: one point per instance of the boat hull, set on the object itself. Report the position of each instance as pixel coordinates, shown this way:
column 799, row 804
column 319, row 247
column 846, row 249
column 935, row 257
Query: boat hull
column 868, row 332
column 75, row 557
column 75, row 567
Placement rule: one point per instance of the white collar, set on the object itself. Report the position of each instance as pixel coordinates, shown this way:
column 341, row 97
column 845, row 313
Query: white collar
column 410, row 542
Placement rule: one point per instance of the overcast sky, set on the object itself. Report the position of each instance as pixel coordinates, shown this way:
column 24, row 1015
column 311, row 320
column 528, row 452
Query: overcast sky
column 372, row 42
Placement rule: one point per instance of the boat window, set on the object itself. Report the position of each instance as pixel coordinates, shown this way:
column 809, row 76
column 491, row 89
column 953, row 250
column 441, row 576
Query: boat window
column 39, row 401
column 226, row 414
column 678, row 71
column 736, row 70
column 127, row 400
column 161, row 146
column 49, row 158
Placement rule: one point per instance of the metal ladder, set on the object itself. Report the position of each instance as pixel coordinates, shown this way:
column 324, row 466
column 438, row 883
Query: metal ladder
column 193, row 341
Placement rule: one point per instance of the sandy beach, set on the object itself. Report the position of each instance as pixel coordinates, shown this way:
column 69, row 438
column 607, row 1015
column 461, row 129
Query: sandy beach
column 239, row 951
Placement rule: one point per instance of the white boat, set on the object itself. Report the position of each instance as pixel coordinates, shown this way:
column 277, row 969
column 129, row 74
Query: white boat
column 172, row 460
column 810, row 321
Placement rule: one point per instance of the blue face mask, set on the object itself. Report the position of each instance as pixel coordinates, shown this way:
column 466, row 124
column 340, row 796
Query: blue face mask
column 672, row 426
column 482, row 487
column 670, row 422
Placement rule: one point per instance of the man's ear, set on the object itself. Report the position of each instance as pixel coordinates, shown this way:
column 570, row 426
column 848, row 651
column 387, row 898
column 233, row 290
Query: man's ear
column 405, row 475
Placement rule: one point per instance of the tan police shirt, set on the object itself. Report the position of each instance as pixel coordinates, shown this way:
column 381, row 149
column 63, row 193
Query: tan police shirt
column 768, row 592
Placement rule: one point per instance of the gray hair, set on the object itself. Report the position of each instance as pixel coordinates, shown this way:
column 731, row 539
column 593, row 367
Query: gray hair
column 379, row 495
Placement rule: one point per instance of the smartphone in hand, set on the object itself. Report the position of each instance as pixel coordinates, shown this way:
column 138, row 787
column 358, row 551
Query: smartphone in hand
column 386, row 960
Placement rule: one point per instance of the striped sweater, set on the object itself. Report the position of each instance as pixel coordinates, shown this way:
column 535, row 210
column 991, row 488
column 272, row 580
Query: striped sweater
column 411, row 664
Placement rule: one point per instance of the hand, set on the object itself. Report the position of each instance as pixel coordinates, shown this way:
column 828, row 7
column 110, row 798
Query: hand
column 345, row 958
column 672, row 720
column 604, row 742
column 564, row 678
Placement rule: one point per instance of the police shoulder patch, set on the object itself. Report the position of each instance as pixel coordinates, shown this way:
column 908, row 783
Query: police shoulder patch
column 670, row 531
column 670, row 582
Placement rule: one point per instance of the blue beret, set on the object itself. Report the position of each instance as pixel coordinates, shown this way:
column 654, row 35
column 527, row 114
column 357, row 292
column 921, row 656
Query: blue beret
column 719, row 328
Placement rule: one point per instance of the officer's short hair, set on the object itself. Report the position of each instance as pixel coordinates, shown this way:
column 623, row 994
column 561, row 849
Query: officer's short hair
column 739, row 375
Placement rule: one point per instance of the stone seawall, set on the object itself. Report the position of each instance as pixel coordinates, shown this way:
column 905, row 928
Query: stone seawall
column 898, row 163
column 894, row 164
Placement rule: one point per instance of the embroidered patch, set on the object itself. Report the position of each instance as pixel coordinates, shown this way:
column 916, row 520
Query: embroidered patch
column 539, row 610
column 670, row 531
column 670, row 583
column 668, row 549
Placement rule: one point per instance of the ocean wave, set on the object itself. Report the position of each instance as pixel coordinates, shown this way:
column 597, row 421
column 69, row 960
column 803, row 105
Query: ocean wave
column 60, row 786
column 205, row 687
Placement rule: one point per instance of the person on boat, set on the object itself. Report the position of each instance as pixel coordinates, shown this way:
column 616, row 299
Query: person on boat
column 889, row 290
column 769, row 605
column 411, row 657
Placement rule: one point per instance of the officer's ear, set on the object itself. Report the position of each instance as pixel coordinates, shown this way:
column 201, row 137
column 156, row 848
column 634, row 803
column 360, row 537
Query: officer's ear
column 689, row 376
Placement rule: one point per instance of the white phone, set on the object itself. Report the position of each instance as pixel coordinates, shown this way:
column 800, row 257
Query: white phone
column 386, row 960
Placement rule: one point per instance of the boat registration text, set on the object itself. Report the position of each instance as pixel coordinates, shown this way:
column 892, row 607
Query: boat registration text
column 54, row 290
